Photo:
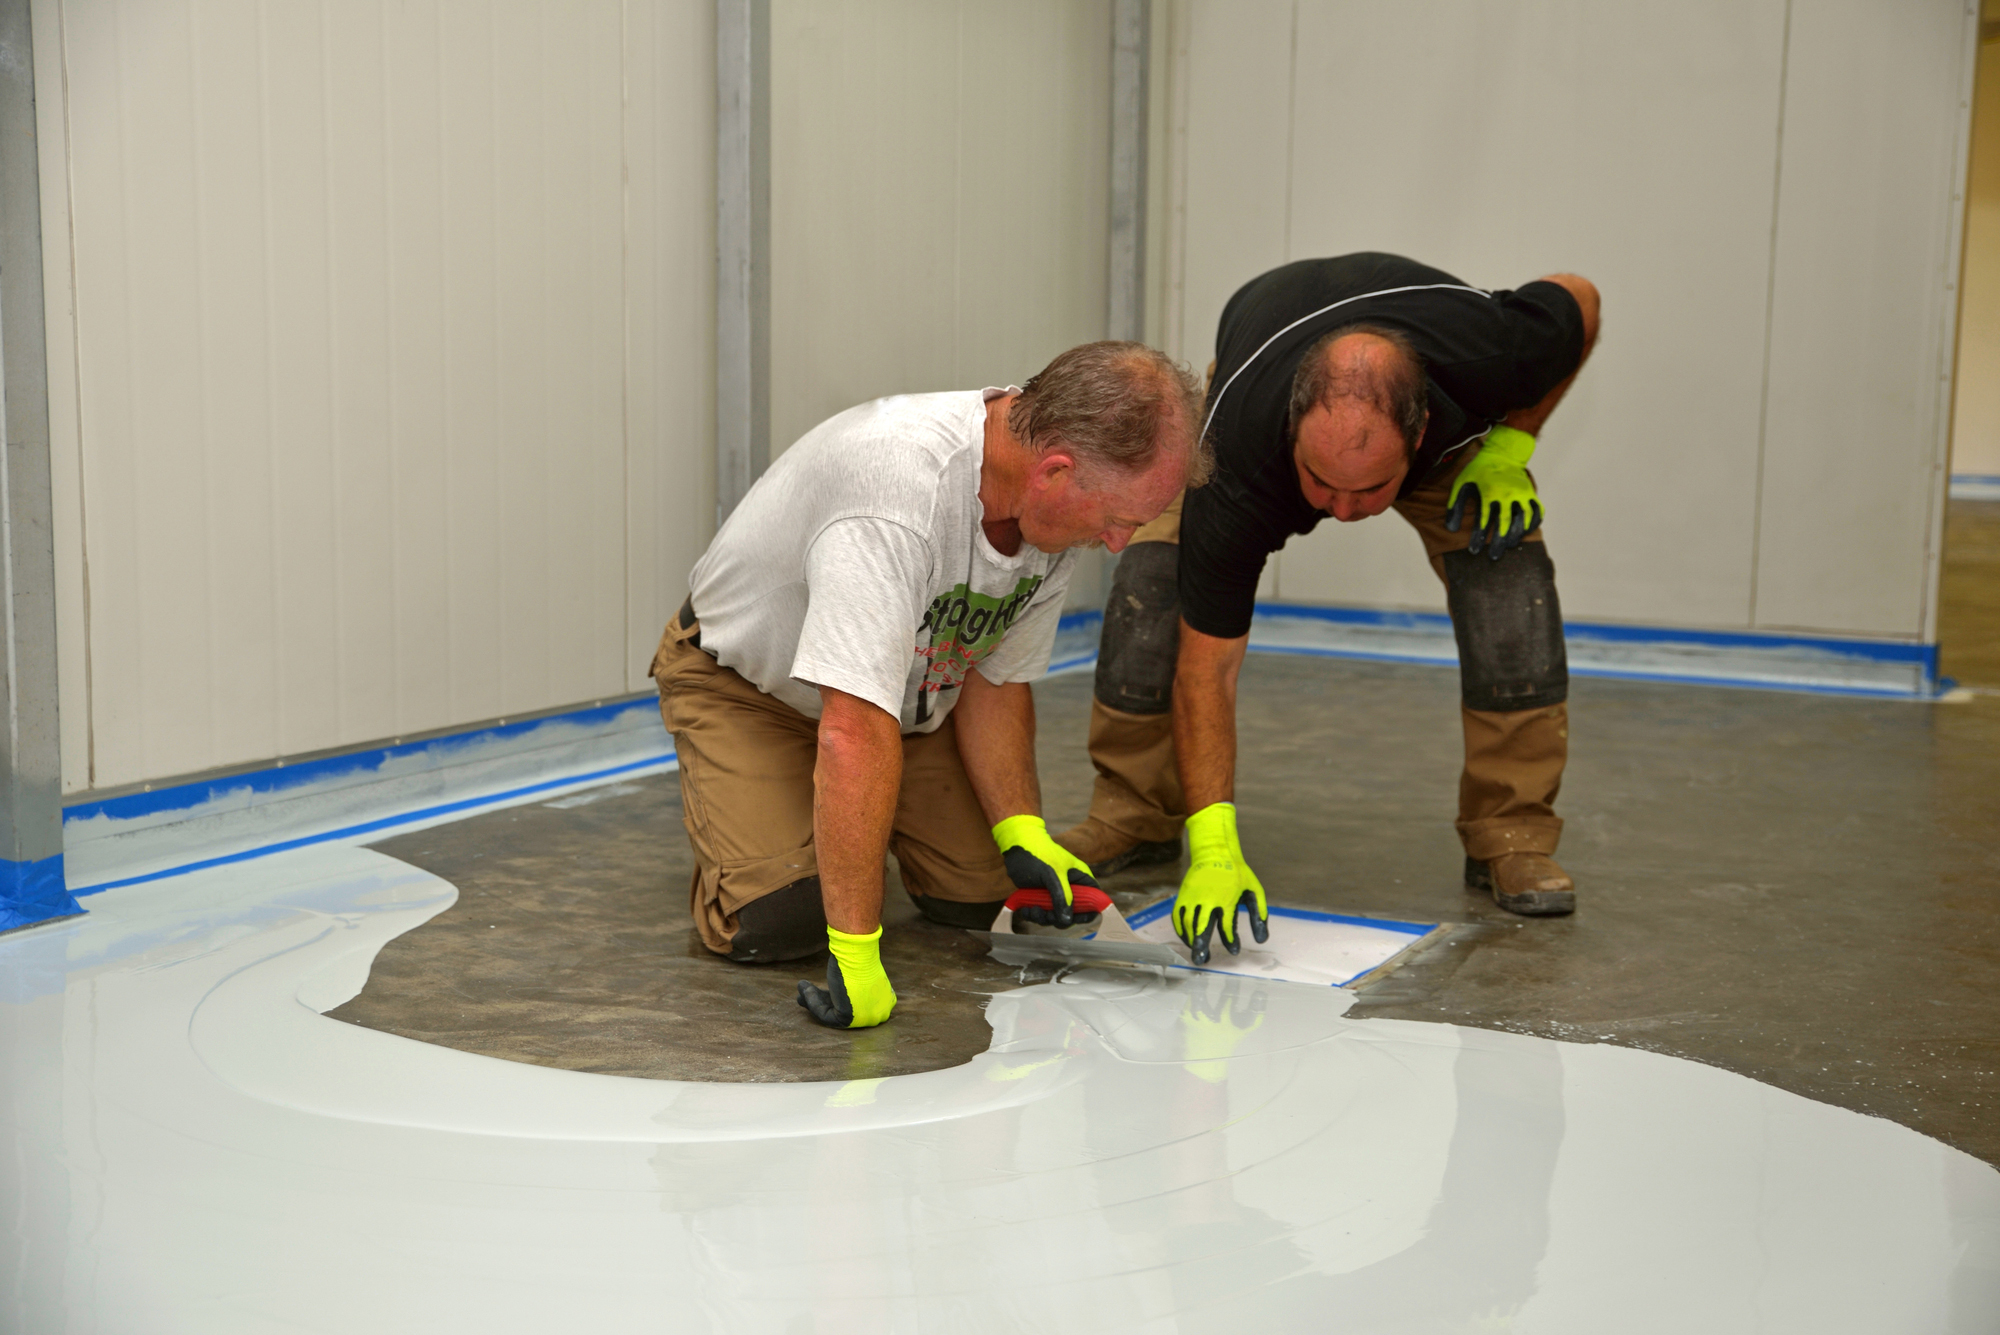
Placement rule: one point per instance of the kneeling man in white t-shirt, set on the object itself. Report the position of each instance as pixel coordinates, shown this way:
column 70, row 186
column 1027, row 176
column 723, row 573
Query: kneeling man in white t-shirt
column 850, row 672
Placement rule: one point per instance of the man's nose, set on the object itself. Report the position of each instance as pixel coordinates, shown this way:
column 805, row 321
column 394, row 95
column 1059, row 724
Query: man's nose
column 1346, row 509
column 1116, row 538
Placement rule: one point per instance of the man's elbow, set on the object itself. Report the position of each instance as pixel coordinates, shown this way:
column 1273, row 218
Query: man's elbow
column 1587, row 301
column 853, row 728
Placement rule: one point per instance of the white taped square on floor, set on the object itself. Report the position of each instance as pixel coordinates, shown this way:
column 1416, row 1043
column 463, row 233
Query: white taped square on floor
column 1306, row 946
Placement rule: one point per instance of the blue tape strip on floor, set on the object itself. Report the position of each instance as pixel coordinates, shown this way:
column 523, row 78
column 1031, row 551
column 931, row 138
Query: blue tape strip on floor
column 1620, row 674
column 1152, row 913
column 278, row 778
column 1879, row 651
column 385, row 823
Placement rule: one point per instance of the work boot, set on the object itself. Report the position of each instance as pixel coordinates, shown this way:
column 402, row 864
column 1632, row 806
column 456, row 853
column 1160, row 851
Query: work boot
column 1109, row 852
column 1530, row 884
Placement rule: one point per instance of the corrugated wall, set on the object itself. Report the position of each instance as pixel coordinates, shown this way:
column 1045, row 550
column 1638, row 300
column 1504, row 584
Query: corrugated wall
column 380, row 346
column 1763, row 189
column 381, row 330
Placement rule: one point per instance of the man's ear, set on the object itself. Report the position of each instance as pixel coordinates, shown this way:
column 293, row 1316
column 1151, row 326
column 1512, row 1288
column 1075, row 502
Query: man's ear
column 1051, row 466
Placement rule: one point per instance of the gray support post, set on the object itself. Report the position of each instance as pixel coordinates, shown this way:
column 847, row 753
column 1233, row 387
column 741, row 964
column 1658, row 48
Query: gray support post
column 743, row 248
column 31, row 847
column 1131, row 43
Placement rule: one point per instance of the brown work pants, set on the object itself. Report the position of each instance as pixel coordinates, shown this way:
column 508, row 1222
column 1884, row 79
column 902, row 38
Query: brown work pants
column 746, row 772
column 1513, row 758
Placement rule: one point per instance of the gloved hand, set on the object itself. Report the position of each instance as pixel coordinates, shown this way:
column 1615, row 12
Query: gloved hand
column 857, row 994
column 1217, row 884
column 1037, row 862
column 1497, row 492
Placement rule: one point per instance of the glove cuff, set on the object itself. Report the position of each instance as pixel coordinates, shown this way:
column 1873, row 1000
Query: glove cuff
column 1510, row 444
column 855, row 952
column 1018, row 830
column 1212, row 830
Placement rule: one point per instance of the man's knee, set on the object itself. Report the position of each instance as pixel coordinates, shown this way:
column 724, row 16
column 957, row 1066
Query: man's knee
column 1142, row 625
column 1509, row 628
column 787, row 924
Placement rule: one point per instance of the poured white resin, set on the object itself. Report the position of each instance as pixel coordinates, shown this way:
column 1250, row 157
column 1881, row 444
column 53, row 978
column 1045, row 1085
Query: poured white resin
column 196, row 1148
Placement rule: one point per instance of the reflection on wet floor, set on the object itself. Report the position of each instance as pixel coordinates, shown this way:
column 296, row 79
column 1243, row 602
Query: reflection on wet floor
column 1200, row 1153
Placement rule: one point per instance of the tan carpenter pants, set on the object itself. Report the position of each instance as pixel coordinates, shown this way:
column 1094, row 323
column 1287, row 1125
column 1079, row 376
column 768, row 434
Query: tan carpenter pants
column 1513, row 759
column 746, row 772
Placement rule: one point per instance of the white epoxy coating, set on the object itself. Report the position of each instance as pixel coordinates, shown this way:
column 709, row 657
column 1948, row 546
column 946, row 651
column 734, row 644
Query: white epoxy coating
column 192, row 1147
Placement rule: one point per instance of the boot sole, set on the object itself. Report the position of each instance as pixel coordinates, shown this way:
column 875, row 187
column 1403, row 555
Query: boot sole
column 1529, row 903
column 1149, row 853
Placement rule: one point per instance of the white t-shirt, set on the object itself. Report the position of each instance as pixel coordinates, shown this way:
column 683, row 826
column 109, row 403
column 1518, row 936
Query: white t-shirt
column 857, row 562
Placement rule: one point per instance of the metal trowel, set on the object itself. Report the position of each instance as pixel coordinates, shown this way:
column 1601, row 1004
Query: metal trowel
column 1114, row 943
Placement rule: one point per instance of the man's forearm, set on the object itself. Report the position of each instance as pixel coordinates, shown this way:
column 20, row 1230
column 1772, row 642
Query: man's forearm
column 856, row 781
column 1205, row 716
column 996, row 742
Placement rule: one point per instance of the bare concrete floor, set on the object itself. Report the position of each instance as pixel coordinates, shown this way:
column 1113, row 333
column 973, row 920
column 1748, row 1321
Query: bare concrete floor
column 1800, row 888
column 1969, row 594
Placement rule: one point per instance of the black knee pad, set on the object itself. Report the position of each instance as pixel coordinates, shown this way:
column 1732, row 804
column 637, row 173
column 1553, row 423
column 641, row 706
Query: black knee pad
column 951, row 913
column 1509, row 628
column 787, row 924
column 1142, row 631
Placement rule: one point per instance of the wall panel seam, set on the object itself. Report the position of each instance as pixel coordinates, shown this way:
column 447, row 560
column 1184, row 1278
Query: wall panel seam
column 76, row 388
column 1770, row 319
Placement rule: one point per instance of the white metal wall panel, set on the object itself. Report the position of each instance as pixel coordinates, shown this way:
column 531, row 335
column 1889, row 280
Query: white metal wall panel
column 353, row 326
column 670, row 316
column 1875, row 113
column 1640, row 147
column 940, row 177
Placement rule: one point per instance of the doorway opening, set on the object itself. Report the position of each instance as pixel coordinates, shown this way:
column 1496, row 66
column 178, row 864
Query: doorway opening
column 1969, row 585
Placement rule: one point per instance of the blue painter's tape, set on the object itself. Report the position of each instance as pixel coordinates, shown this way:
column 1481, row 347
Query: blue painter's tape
column 279, row 778
column 1152, row 913
column 385, row 823
column 1089, row 616
column 1879, row 651
column 32, row 892
column 1621, row 674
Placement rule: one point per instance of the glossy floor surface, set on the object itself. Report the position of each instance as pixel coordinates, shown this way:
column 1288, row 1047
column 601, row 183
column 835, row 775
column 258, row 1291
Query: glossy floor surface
column 1804, row 889
column 194, row 1147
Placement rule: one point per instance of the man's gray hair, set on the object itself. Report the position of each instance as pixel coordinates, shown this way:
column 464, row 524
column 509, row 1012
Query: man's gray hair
column 1116, row 405
column 1396, row 389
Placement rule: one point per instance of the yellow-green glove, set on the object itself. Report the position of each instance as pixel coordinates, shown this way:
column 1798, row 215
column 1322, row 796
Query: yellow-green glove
column 1217, row 884
column 857, row 994
column 1045, row 874
column 1496, row 491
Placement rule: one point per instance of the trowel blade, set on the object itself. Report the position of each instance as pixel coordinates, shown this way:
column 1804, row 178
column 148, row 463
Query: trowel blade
column 1114, row 943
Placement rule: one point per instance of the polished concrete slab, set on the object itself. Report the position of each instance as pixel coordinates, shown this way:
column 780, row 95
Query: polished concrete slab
column 1803, row 889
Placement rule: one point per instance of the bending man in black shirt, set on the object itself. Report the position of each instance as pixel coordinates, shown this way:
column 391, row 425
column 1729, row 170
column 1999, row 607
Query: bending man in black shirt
column 1347, row 387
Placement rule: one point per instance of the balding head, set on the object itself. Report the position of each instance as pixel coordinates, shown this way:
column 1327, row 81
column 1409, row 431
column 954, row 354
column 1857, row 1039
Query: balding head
column 1358, row 409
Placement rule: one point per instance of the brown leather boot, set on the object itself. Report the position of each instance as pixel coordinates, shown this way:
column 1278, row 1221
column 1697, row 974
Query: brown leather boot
column 1530, row 884
column 1109, row 851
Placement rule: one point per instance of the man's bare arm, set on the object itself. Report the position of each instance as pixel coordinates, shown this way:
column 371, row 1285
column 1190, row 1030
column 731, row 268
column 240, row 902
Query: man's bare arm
column 855, row 784
column 1205, row 716
column 1531, row 420
column 996, row 740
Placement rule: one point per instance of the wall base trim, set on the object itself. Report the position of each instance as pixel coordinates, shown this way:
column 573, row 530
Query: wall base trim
column 177, row 827
column 1755, row 659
